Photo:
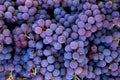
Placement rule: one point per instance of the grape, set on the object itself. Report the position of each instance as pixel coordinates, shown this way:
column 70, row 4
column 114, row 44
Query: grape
column 57, row 65
column 106, row 52
column 8, row 56
column 50, row 68
column 75, row 56
column 108, row 59
column 48, row 32
column 28, row 3
column 73, row 64
column 91, row 20
column 71, row 19
column 108, row 4
column 39, row 45
column 61, row 39
column 57, row 11
column 68, row 55
column 43, row 70
column 87, row 5
column 44, row 63
column 6, row 32
column 59, row 30
column 24, row 9
column 88, row 12
column 74, row 45
column 102, row 63
column 56, row 72
column 96, row 12
column 31, row 43
column 10, row 67
column 101, row 56
column 25, row 16
column 70, row 71
column 97, row 71
column 2, row 57
column 37, row 60
column 114, row 55
column 53, row 26
column 38, row 30
column 81, row 31
column 81, row 24
column 94, row 7
column 48, row 75
column 50, row 59
column 24, row 27
column 47, row 52
column 115, row 14
column 18, row 68
column 2, row 37
column 114, row 66
column 8, row 15
column 57, row 46
column 78, row 70
column 8, row 40
column 98, row 18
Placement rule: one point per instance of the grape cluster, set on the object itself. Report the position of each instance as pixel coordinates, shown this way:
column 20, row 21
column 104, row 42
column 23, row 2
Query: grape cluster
column 59, row 39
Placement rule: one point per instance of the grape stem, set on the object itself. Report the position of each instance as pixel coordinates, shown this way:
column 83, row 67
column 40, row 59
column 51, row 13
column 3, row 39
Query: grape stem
column 52, row 78
column 76, row 77
column 10, row 76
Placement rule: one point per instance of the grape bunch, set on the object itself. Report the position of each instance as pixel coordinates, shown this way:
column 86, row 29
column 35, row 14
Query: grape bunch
column 59, row 39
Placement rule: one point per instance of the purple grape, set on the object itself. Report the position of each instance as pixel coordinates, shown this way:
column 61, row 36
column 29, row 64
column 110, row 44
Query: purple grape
column 50, row 68
column 73, row 64
column 91, row 20
column 81, row 31
column 44, row 63
column 106, row 52
column 2, row 37
column 75, row 56
column 11, row 9
column 114, row 66
column 47, row 52
column 108, row 4
column 18, row 68
column 25, row 16
column 57, row 46
column 81, row 24
column 102, row 63
column 48, row 75
column 24, row 9
column 99, row 18
column 56, row 72
column 87, row 6
column 38, row 30
column 96, row 12
column 97, row 71
column 53, row 26
column 61, row 39
column 94, row 7
column 67, row 63
column 8, row 15
column 50, row 59
column 108, row 59
column 8, row 40
column 59, row 30
column 68, row 55
column 28, row 3
column 74, row 45
column 70, row 71
column 83, row 18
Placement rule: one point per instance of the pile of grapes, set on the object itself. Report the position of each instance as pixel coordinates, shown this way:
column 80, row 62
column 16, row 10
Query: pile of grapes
column 59, row 39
